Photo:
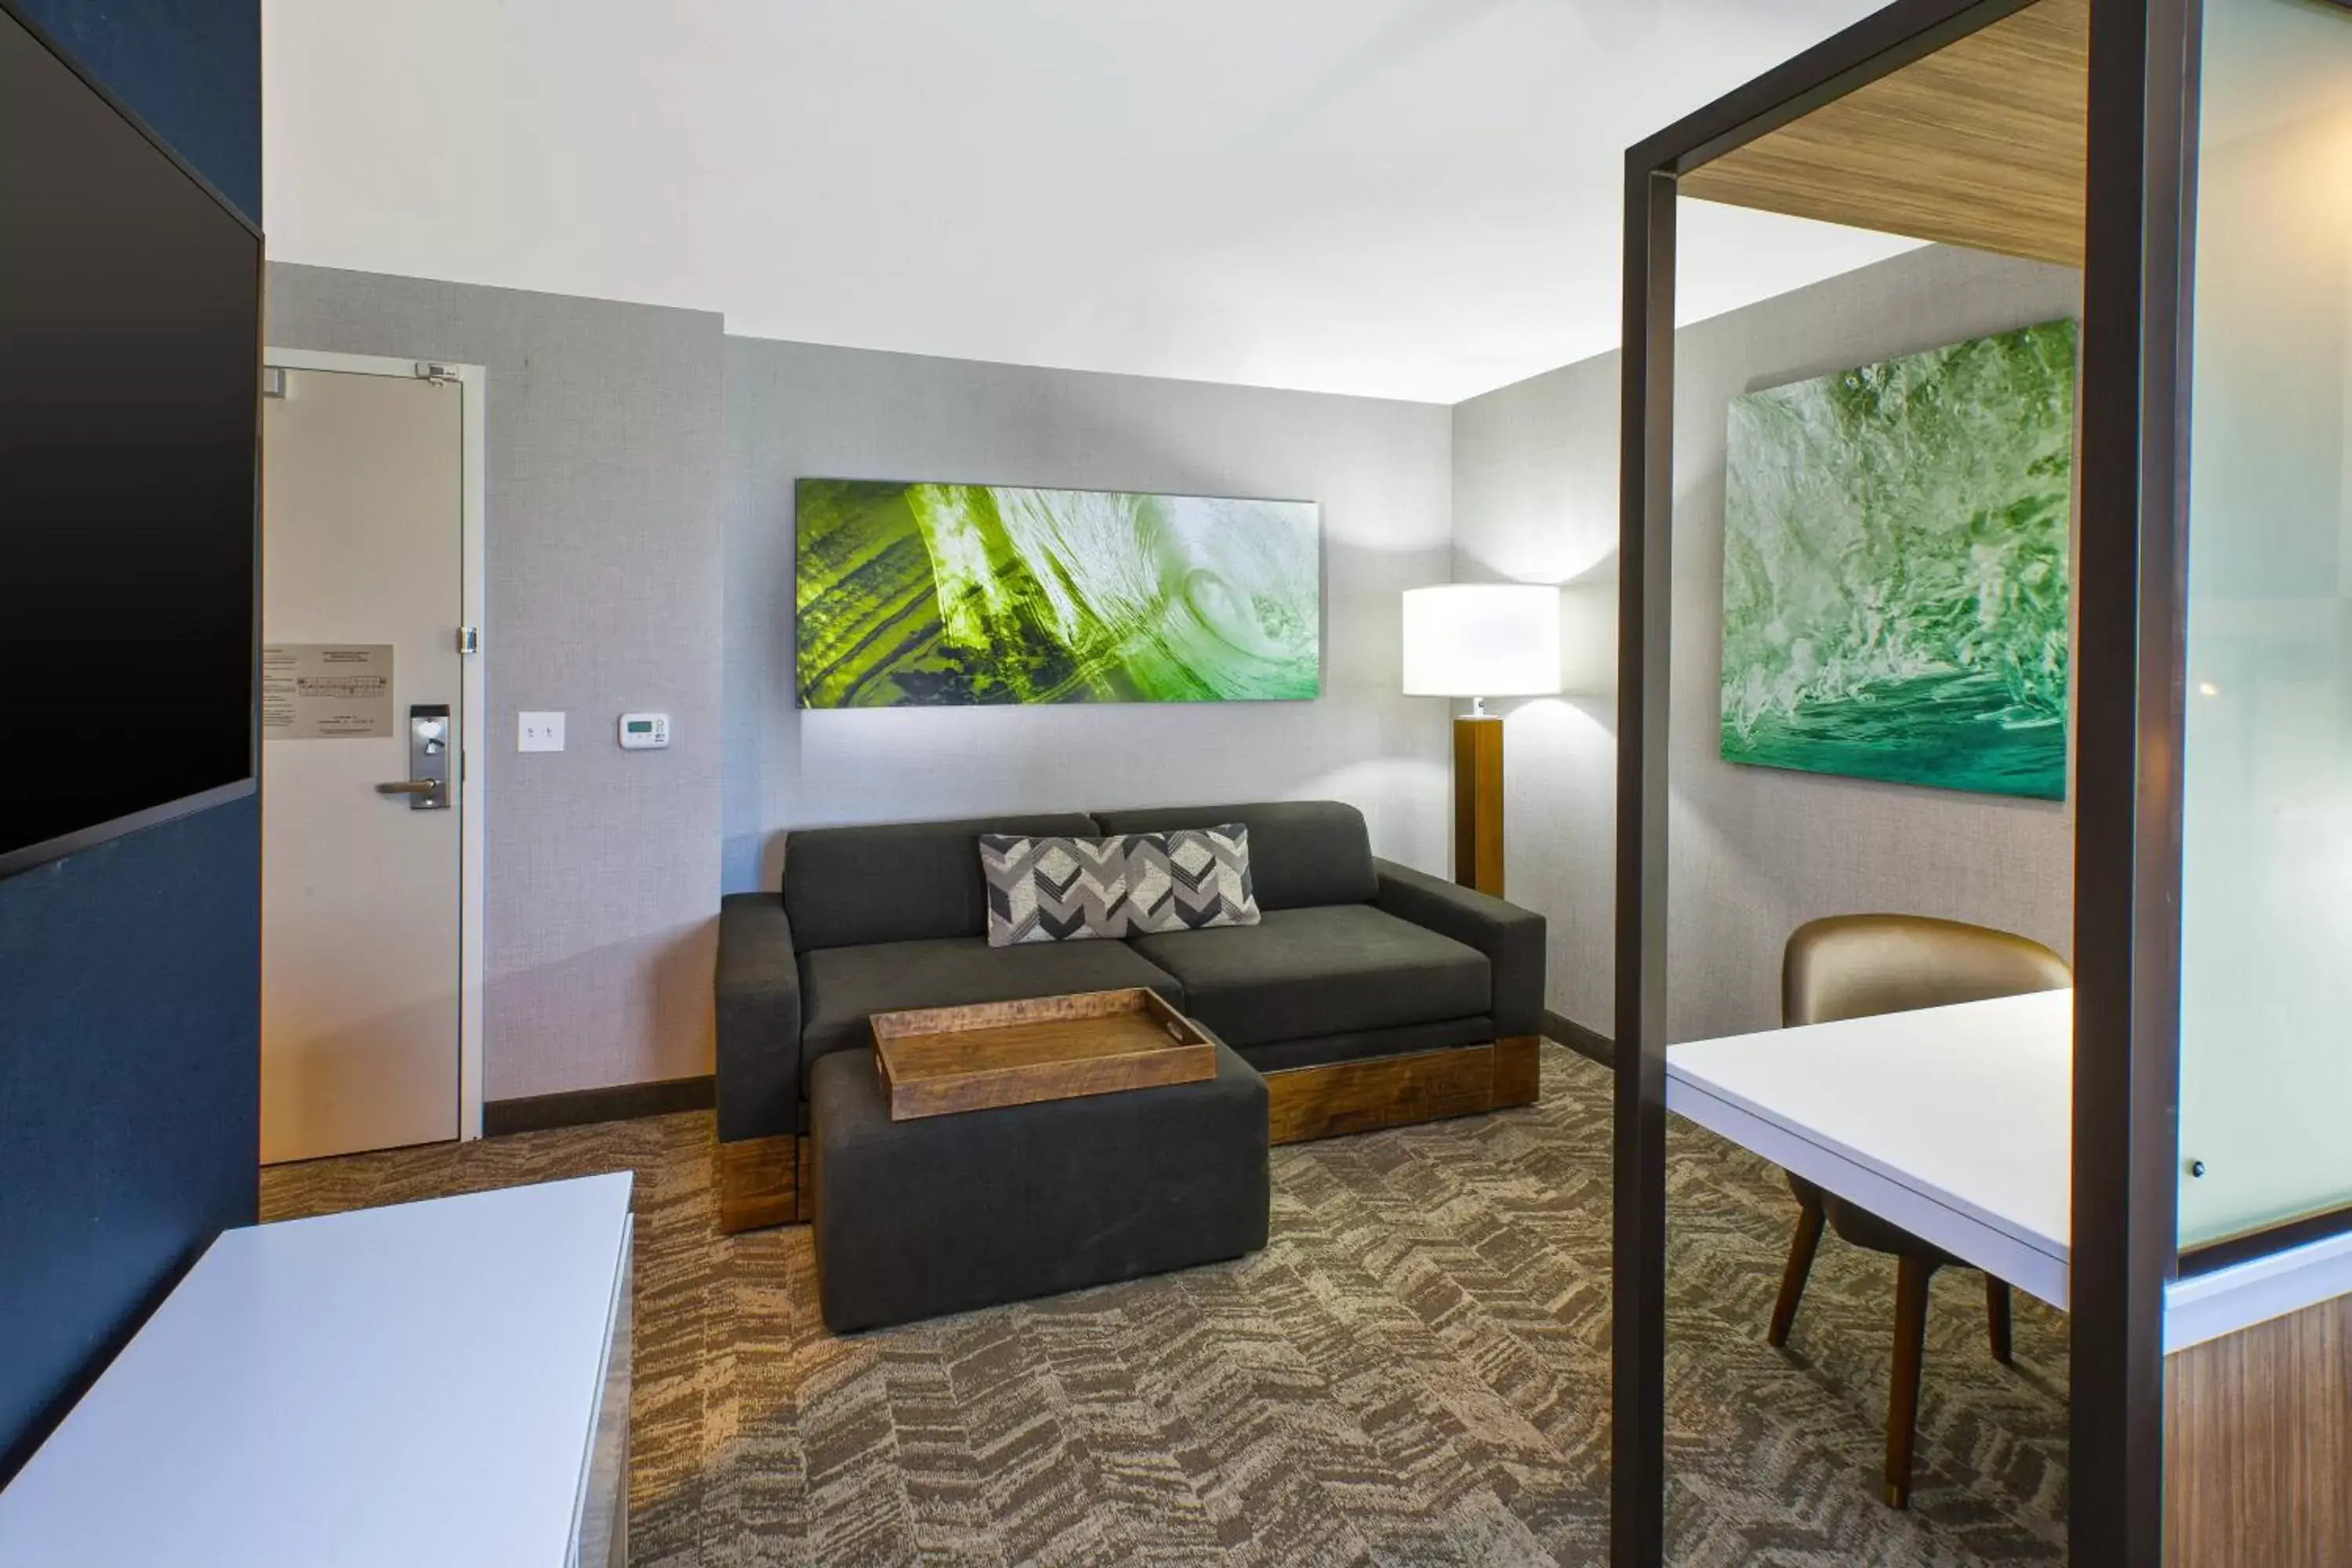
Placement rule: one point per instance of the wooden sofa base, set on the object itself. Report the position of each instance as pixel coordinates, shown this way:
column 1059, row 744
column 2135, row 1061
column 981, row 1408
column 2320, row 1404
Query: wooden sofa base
column 765, row 1181
column 1341, row 1098
column 762, row 1182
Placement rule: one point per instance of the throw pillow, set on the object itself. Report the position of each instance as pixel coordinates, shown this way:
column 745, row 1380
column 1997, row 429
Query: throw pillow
column 1062, row 888
column 1190, row 878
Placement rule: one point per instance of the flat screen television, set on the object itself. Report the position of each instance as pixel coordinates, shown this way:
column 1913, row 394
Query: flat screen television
column 129, row 364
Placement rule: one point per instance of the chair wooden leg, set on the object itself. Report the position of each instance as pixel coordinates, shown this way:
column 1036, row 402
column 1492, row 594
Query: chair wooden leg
column 1997, row 1317
column 1911, row 1277
column 1793, row 1276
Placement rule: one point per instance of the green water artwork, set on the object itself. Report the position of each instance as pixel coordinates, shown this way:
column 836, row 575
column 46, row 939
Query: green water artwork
column 946, row 595
column 1895, row 568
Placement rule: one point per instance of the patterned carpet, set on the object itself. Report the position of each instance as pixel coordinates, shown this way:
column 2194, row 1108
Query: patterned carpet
column 1414, row 1371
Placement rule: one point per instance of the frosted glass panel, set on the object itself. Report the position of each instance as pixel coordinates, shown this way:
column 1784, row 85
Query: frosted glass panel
column 2266, row 896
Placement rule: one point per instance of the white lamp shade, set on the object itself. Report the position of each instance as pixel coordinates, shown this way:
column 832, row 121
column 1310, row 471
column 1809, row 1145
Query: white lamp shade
column 1482, row 639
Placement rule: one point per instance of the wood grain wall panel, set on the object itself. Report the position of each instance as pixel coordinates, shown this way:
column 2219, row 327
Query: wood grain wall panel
column 1982, row 144
column 2258, row 1431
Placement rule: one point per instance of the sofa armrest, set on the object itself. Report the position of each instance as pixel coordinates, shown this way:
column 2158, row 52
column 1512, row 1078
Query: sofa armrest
column 1511, row 938
column 758, row 1017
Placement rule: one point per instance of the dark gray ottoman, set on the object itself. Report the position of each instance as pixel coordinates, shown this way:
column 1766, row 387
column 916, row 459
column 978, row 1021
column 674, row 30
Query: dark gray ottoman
column 944, row 1214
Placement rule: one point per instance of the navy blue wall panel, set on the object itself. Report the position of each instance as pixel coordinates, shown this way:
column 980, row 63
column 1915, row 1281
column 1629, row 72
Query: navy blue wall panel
column 130, row 974
column 129, row 1022
column 191, row 68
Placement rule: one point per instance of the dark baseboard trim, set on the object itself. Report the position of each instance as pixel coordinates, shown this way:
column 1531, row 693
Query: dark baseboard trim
column 1584, row 1042
column 579, row 1106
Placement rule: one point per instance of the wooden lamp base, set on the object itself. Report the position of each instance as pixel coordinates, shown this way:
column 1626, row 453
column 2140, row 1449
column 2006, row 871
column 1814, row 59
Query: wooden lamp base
column 1478, row 803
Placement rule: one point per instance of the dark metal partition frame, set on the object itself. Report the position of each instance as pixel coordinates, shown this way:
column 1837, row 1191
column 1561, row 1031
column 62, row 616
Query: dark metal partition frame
column 2133, row 488
column 2130, row 632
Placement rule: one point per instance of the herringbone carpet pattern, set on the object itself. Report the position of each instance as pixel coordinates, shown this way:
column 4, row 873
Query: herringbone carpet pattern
column 1415, row 1370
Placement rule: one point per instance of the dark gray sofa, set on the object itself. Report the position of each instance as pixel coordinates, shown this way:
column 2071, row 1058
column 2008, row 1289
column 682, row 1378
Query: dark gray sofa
column 1370, row 994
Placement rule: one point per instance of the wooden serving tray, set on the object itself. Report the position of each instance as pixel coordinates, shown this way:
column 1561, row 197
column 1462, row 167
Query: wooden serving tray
column 935, row 1061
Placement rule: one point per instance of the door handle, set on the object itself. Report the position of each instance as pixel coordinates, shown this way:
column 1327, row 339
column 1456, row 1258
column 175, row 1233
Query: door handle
column 427, row 785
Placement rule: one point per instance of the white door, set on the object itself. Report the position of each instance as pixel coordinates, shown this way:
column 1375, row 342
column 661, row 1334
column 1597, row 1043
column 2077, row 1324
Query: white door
column 363, row 933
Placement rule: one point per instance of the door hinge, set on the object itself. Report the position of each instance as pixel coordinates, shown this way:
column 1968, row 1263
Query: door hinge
column 436, row 372
column 469, row 640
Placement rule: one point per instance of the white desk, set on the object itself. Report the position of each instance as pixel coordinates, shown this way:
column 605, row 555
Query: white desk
column 1956, row 1124
column 440, row 1383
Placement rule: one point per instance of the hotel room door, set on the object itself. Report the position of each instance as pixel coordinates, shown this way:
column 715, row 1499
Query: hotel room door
column 364, row 794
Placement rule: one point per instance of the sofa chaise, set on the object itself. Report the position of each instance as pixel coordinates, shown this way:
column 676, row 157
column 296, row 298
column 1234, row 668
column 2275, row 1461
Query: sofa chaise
column 1369, row 996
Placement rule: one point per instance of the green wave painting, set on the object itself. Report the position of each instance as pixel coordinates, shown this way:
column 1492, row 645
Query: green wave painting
column 1895, row 568
column 934, row 594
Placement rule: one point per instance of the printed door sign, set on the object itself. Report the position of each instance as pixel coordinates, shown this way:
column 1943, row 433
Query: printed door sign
column 326, row 692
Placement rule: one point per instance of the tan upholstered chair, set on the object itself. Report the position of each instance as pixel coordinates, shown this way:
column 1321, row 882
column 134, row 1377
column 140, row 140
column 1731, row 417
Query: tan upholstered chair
column 1853, row 967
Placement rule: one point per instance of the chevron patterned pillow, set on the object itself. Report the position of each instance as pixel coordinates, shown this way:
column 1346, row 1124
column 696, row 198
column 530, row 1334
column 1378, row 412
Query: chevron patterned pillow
column 1061, row 890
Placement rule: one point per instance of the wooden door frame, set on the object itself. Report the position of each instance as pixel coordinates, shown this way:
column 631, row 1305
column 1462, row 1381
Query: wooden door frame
column 472, row 381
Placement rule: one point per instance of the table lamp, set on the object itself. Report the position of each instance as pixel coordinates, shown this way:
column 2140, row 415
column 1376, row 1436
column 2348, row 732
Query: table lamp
column 1480, row 640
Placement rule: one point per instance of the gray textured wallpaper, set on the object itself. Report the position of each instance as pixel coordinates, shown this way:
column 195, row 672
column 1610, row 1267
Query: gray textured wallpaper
column 641, row 475
column 1755, row 852
column 1381, row 469
column 605, row 434
column 640, row 531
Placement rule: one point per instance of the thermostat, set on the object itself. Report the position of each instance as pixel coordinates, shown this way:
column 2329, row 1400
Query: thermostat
column 644, row 732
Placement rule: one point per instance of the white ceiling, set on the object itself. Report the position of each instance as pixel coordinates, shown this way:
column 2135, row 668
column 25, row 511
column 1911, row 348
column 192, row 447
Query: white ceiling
column 1403, row 198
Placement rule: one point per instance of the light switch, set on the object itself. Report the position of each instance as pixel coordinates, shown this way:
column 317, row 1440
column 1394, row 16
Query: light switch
column 540, row 732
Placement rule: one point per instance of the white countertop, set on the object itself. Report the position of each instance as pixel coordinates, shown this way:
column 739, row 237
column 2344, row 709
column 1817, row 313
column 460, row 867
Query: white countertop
column 395, row 1386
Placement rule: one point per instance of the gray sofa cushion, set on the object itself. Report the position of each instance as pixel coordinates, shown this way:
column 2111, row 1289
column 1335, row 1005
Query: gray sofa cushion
column 943, row 1214
column 1302, row 852
column 1300, row 974
column 843, row 987
column 844, row 887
